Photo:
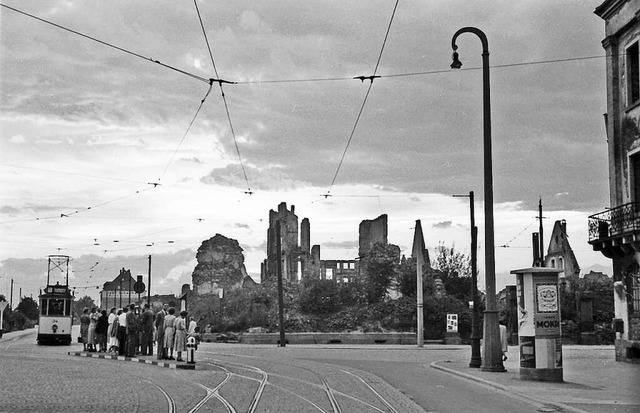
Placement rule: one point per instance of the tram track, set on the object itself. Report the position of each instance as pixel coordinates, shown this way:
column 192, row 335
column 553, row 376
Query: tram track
column 171, row 403
column 324, row 385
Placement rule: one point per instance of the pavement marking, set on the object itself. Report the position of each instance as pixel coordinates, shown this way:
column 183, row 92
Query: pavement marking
column 133, row 359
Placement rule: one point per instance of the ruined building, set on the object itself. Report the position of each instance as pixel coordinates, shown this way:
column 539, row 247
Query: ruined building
column 301, row 260
column 372, row 231
column 295, row 256
column 220, row 266
column 559, row 254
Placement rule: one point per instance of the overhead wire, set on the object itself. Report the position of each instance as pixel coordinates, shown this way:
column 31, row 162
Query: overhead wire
column 364, row 102
column 224, row 99
column 72, row 173
column 186, row 132
column 78, row 211
column 184, row 72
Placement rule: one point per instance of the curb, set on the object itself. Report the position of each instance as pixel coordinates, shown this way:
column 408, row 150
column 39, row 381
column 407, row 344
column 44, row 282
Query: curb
column 540, row 406
column 133, row 359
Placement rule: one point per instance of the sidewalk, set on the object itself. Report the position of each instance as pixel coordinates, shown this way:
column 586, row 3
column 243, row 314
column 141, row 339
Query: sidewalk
column 593, row 381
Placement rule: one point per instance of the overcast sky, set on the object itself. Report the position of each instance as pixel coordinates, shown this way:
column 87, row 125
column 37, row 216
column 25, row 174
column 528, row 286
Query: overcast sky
column 86, row 130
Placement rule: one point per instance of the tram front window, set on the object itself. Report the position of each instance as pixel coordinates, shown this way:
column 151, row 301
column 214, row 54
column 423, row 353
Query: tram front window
column 56, row 306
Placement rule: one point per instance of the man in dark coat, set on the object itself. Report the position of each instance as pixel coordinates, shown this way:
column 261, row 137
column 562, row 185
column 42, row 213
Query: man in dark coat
column 146, row 325
column 132, row 331
column 160, row 332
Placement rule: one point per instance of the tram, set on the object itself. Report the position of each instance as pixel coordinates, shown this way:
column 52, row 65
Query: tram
column 56, row 301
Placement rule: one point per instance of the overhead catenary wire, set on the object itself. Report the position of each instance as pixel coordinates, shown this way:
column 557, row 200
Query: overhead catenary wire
column 71, row 173
column 224, row 99
column 184, row 72
column 364, row 102
column 80, row 210
column 186, row 132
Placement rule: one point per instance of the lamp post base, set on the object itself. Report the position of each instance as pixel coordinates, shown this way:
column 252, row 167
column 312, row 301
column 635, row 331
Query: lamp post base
column 476, row 359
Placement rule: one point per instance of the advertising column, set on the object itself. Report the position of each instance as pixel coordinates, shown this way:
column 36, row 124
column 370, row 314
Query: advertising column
column 539, row 332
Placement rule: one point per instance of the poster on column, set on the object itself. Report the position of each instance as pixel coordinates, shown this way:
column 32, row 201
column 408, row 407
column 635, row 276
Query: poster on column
column 547, row 314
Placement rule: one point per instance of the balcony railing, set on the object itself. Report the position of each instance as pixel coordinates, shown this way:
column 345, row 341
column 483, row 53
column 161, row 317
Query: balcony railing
column 614, row 222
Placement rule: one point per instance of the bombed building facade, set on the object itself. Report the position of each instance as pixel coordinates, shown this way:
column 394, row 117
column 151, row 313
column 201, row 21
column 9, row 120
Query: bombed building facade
column 299, row 259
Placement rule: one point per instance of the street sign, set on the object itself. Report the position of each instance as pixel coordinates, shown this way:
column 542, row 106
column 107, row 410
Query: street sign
column 139, row 287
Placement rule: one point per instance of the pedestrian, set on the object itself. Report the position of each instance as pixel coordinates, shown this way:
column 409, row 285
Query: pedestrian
column 159, row 323
column 122, row 331
column 503, row 340
column 196, row 335
column 85, row 320
column 169, row 333
column 112, row 331
column 192, row 325
column 146, row 327
column 91, row 334
column 132, row 331
column 102, row 326
column 180, row 341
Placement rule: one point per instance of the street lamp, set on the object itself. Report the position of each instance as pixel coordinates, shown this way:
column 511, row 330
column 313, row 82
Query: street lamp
column 492, row 360
column 476, row 358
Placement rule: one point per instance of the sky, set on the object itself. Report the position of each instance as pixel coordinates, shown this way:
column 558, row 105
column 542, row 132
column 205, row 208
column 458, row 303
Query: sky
column 110, row 157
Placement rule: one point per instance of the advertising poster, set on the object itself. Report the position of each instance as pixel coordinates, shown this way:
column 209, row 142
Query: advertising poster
column 547, row 315
column 528, row 352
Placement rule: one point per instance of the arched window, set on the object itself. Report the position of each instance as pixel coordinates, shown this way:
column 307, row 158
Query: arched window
column 560, row 263
column 553, row 263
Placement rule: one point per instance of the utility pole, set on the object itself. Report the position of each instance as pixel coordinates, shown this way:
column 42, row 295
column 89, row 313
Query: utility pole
column 11, row 297
column 476, row 358
column 418, row 254
column 280, row 292
column 149, row 284
column 541, row 239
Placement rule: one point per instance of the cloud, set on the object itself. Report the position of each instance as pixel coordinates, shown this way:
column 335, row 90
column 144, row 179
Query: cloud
column 341, row 245
column 18, row 139
column 443, row 225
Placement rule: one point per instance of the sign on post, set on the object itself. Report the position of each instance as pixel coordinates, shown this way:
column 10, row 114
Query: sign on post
column 452, row 323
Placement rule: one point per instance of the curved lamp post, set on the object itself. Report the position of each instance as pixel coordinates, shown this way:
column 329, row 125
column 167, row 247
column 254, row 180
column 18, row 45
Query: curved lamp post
column 492, row 360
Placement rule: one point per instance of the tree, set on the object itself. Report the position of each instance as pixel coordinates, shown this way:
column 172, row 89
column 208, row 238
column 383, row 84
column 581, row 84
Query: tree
column 319, row 296
column 454, row 268
column 29, row 308
column 381, row 269
column 81, row 303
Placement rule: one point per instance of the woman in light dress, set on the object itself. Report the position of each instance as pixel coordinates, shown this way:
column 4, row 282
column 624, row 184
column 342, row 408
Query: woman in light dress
column 112, row 331
column 169, row 332
column 180, row 342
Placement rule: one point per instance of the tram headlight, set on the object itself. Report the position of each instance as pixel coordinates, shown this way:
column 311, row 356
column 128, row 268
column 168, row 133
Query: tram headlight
column 54, row 327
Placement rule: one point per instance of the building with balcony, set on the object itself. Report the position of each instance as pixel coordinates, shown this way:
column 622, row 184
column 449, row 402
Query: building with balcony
column 616, row 231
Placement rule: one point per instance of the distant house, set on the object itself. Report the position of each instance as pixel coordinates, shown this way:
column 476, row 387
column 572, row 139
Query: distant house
column 616, row 231
column 119, row 292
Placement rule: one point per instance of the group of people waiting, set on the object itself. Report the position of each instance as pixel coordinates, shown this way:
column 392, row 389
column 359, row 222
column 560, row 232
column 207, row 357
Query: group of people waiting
column 129, row 332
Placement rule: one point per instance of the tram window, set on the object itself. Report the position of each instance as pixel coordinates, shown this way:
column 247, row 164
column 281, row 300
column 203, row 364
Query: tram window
column 56, row 306
column 67, row 306
column 43, row 307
